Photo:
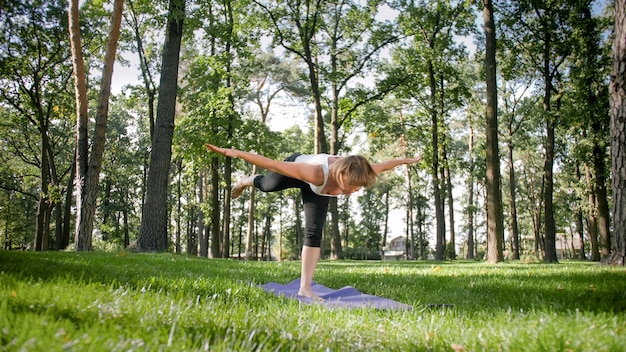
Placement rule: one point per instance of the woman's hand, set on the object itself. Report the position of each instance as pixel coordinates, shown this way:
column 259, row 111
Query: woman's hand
column 223, row 151
column 413, row 160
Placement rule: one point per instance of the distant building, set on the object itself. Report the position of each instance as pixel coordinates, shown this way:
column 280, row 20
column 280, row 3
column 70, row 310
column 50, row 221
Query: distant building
column 395, row 249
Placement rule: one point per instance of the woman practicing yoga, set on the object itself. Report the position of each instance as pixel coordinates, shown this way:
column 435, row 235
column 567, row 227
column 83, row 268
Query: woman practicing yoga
column 318, row 177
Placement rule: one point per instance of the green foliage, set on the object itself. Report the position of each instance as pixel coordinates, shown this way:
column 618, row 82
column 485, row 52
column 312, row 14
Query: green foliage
column 126, row 301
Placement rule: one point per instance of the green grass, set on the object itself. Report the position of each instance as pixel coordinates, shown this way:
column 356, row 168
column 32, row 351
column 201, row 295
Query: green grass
column 161, row 302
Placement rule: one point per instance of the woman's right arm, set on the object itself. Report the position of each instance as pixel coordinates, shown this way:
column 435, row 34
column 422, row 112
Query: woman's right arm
column 301, row 171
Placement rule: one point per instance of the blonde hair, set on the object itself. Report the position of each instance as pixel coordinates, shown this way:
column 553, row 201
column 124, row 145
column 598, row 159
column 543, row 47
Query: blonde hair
column 355, row 169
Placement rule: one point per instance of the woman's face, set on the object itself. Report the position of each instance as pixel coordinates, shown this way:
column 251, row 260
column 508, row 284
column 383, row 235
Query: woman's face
column 346, row 187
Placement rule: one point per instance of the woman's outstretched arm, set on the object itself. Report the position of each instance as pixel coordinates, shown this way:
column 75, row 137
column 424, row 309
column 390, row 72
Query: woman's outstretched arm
column 301, row 171
column 391, row 164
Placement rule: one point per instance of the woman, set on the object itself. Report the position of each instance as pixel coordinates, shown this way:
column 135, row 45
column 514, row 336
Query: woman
column 319, row 177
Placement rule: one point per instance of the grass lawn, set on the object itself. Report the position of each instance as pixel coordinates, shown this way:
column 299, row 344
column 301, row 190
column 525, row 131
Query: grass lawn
column 126, row 301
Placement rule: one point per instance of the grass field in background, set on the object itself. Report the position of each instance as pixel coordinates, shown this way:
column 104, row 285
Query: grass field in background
column 126, row 301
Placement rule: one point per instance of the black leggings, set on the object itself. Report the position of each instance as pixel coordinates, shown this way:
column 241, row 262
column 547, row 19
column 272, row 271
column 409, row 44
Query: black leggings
column 315, row 206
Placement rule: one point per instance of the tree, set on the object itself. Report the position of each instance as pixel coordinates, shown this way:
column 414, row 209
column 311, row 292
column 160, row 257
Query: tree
column 88, row 178
column 618, row 134
column 351, row 39
column 33, row 84
column 495, row 227
column 589, row 103
column 143, row 26
column 437, row 85
column 541, row 34
column 306, row 17
column 154, row 220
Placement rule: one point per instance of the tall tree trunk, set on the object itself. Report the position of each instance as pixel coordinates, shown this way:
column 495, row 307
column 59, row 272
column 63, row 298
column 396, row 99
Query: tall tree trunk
column 386, row 218
column 548, row 201
column 471, row 208
column 225, row 243
column 192, row 237
column 228, row 170
column 602, row 202
column 409, row 205
column 592, row 220
column 148, row 81
column 618, row 134
column 202, row 245
column 450, row 205
column 67, row 208
column 250, row 231
column 495, row 225
column 179, row 206
column 153, row 231
column 439, row 213
column 550, row 255
column 44, row 205
column 89, row 193
column 215, row 209
column 580, row 229
column 82, row 111
column 336, row 252
column 513, row 202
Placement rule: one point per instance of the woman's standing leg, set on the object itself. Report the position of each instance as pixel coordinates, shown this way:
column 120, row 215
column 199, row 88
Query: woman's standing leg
column 315, row 209
column 310, row 257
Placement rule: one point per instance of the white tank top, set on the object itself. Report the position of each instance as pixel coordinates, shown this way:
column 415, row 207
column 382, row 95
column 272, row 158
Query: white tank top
column 317, row 159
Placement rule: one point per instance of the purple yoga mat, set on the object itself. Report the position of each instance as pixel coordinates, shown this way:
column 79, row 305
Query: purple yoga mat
column 344, row 297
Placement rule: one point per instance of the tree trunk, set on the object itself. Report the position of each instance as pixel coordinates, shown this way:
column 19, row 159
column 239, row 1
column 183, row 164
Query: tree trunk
column 153, row 231
column 82, row 112
column 89, row 193
column 470, row 193
column 250, row 231
column 215, row 210
column 67, row 208
column 148, row 81
column 601, row 200
column 580, row 221
column 618, row 134
column 592, row 222
column 179, row 206
column 495, row 225
column 336, row 251
column 513, row 203
column 42, row 228
column 439, row 213
column 225, row 243
column 201, row 246
column 450, row 206
column 550, row 255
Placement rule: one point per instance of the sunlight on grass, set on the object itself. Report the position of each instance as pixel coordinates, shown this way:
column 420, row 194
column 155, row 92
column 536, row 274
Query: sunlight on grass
column 126, row 301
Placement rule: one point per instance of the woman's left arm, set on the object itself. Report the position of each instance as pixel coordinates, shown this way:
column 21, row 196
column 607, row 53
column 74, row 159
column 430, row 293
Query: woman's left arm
column 391, row 164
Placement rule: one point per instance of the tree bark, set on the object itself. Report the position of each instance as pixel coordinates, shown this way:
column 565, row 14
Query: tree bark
column 618, row 134
column 602, row 202
column 89, row 178
column 201, row 245
column 495, row 225
column 82, row 111
column 154, row 222
column 439, row 213
column 470, row 194
column 215, row 211
column 513, row 202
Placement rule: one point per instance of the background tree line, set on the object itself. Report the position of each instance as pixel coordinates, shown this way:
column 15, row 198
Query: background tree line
column 511, row 114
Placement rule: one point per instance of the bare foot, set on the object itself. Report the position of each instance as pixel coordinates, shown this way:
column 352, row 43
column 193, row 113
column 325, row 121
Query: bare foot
column 310, row 294
column 241, row 185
